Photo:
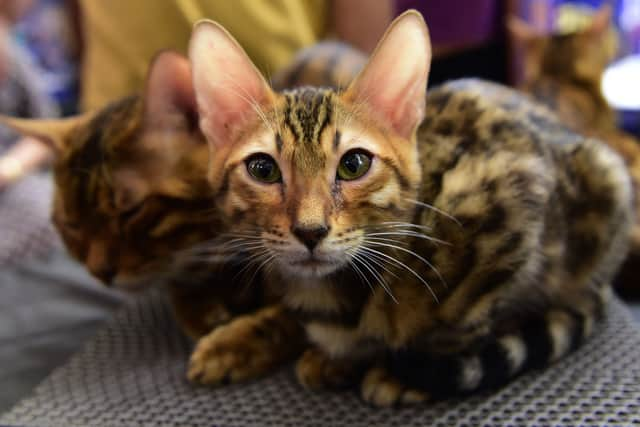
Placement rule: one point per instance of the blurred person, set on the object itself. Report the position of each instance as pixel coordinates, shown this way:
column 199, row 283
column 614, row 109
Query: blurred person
column 118, row 38
column 21, row 94
column 469, row 37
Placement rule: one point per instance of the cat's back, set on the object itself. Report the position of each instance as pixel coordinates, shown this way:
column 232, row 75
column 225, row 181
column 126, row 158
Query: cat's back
column 491, row 116
column 479, row 136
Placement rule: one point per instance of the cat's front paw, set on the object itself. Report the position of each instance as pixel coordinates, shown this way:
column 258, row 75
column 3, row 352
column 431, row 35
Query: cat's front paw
column 245, row 348
column 381, row 389
column 315, row 371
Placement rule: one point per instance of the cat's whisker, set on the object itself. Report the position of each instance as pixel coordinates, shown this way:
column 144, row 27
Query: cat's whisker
column 270, row 257
column 400, row 224
column 226, row 247
column 361, row 275
column 377, row 241
column 245, row 235
column 242, row 246
column 434, row 209
column 251, row 261
column 375, row 274
column 410, row 233
column 403, row 265
column 383, row 267
column 251, row 101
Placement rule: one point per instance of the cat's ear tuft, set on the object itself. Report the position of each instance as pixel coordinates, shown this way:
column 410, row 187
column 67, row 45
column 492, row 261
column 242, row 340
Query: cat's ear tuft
column 521, row 31
column 228, row 87
column 393, row 83
column 600, row 21
column 169, row 99
column 55, row 133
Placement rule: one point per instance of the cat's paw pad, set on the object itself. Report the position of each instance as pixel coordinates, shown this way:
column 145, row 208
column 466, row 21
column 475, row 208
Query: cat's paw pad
column 381, row 389
column 315, row 371
column 229, row 354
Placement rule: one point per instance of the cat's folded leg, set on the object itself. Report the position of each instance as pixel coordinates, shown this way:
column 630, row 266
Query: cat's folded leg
column 247, row 347
column 382, row 389
column 315, row 370
column 197, row 314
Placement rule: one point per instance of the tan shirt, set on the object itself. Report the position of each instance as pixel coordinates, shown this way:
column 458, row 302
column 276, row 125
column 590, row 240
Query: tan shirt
column 121, row 36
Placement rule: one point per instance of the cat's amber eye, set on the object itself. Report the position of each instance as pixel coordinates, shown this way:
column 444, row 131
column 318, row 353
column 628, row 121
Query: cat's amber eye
column 263, row 168
column 353, row 165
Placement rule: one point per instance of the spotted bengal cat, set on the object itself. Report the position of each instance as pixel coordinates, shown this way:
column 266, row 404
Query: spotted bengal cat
column 430, row 246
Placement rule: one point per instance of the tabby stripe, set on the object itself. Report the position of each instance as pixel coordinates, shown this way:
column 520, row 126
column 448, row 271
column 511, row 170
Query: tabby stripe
column 402, row 180
column 336, row 140
column 326, row 112
column 540, row 341
column 224, row 187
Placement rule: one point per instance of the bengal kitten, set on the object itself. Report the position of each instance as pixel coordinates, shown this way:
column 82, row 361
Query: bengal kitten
column 132, row 203
column 428, row 251
column 564, row 72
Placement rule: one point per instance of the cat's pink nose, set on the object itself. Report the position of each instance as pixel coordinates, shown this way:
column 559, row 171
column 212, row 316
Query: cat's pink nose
column 310, row 236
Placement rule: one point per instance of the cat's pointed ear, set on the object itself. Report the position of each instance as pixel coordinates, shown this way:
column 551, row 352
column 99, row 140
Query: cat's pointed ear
column 600, row 21
column 393, row 84
column 521, row 31
column 169, row 98
column 228, row 87
column 53, row 132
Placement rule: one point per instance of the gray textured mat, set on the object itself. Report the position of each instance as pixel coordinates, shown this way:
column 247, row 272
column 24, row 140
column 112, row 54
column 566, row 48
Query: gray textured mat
column 132, row 374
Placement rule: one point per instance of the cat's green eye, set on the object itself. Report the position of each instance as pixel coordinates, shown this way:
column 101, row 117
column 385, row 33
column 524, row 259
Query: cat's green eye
column 353, row 165
column 263, row 168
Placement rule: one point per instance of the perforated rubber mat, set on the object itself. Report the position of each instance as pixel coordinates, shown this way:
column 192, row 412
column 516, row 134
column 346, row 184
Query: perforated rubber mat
column 132, row 374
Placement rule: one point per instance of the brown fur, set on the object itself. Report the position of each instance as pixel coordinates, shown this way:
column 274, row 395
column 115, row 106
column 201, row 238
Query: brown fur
column 564, row 72
column 133, row 204
column 470, row 251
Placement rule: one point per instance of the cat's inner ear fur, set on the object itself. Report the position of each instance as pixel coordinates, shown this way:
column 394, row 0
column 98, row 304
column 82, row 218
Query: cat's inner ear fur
column 521, row 31
column 229, row 88
column 600, row 22
column 393, row 83
column 169, row 99
column 55, row 133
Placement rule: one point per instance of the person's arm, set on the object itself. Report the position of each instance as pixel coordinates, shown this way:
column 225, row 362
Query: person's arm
column 361, row 23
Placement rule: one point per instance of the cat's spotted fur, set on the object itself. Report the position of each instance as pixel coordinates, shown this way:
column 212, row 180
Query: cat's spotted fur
column 564, row 72
column 475, row 248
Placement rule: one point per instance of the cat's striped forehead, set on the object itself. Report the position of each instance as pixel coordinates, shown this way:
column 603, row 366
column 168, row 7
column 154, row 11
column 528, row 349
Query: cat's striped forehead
column 307, row 113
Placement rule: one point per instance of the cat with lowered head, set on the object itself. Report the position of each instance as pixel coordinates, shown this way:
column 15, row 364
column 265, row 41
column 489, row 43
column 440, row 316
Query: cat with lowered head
column 132, row 203
column 431, row 245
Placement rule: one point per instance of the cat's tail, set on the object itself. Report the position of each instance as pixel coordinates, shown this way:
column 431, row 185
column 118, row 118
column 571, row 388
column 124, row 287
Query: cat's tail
column 537, row 342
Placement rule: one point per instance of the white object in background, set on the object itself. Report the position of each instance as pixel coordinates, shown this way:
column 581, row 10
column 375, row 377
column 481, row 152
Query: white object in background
column 621, row 83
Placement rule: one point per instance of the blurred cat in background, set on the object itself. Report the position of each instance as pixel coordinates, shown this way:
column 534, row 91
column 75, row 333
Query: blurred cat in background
column 564, row 72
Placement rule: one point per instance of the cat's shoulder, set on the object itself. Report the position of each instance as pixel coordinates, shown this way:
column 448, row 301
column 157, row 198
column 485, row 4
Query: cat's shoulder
column 472, row 97
column 483, row 112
